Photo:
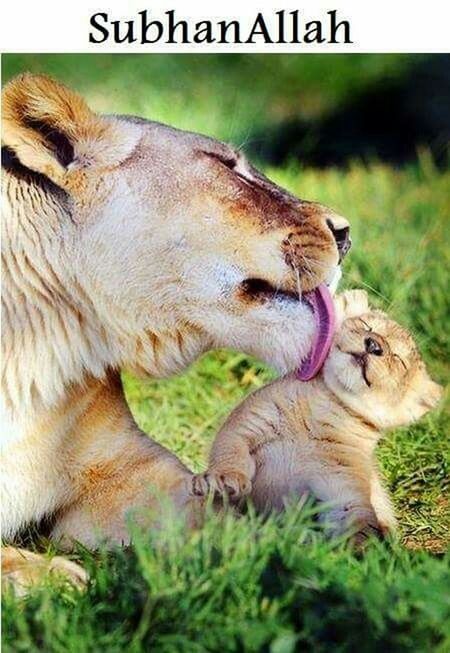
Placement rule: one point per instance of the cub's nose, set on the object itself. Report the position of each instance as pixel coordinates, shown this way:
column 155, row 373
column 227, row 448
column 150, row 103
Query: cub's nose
column 340, row 229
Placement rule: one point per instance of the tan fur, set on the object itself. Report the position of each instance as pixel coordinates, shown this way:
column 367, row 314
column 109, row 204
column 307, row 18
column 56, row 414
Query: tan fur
column 293, row 438
column 129, row 244
column 32, row 100
column 22, row 569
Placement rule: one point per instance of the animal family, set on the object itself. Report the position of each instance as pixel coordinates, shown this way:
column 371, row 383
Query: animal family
column 294, row 438
column 130, row 244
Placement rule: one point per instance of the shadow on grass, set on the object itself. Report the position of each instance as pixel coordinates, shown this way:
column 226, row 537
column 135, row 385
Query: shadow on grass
column 387, row 121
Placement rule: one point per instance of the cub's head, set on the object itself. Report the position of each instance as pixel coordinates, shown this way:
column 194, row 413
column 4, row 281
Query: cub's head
column 167, row 232
column 374, row 365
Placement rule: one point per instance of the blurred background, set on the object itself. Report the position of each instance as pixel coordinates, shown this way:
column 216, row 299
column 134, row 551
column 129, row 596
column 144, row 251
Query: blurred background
column 365, row 134
column 320, row 109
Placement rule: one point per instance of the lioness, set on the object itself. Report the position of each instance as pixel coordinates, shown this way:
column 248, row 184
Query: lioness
column 129, row 244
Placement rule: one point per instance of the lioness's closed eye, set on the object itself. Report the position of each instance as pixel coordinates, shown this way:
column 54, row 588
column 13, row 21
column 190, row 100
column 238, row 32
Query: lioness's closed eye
column 319, row 437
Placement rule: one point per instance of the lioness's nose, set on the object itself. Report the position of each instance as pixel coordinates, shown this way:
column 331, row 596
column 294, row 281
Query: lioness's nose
column 340, row 229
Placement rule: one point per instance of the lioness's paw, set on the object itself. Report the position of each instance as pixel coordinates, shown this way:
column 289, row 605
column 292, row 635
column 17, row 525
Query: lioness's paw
column 232, row 484
column 22, row 570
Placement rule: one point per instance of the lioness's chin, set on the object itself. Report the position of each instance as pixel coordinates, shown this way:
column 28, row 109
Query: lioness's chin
column 285, row 350
column 279, row 333
column 284, row 337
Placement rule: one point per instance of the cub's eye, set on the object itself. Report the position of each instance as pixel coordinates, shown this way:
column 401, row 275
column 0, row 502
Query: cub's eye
column 401, row 360
column 373, row 347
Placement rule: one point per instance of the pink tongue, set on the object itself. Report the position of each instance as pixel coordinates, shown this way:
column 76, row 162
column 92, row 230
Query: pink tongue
column 322, row 307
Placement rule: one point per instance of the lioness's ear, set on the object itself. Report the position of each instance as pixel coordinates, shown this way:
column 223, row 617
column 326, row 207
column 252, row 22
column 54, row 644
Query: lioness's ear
column 51, row 129
column 351, row 303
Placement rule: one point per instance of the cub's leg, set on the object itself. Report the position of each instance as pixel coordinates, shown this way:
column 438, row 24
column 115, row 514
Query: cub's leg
column 138, row 479
column 381, row 501
column 22, row 569
column 232, row 459
column 352, row 510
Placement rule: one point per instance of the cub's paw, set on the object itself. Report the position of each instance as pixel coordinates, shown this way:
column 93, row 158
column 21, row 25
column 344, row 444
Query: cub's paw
column 359, row 523
column 363, row 531
column 233, row 484
column 388, row 529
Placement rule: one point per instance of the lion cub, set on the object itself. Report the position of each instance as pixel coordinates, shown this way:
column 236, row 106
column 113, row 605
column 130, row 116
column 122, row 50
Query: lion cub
column 293, row 437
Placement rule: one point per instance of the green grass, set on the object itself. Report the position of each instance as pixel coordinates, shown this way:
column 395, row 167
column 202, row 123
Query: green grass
column 242, row 585
column 278, row 586
column 401, row 256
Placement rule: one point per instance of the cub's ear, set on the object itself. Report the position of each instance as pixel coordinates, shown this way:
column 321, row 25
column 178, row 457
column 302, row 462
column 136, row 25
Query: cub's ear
column 424, row 395
column 351, row 303
column 430, row 394
column 51, row 129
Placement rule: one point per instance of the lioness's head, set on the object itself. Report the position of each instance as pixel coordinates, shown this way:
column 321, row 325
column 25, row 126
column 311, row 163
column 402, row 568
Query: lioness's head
column 174, row 240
